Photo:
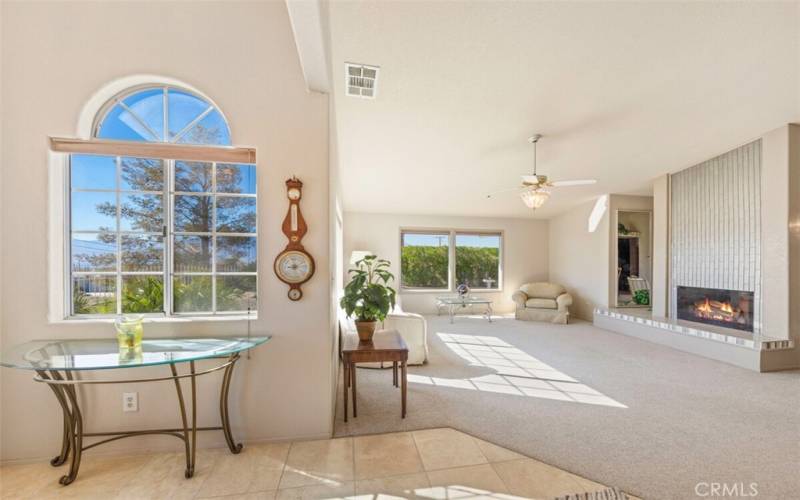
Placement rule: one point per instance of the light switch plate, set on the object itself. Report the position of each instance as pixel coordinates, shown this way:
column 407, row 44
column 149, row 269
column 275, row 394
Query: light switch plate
column 130, row 401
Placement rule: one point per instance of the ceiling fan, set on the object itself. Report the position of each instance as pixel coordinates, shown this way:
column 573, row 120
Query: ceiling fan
column 534, row 189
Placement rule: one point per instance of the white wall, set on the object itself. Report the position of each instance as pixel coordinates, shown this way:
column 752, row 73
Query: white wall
column 525, row 249
column 579, row 259
column 660, row 284
column 54, row 57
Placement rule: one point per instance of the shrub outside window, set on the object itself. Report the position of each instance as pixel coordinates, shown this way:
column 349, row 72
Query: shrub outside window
column 478, row 260
column 425, row 260
column 441, row 260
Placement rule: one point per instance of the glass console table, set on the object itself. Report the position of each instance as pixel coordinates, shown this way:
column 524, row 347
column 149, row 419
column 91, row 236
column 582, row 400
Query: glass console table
column 453, row 303
column 59, row 363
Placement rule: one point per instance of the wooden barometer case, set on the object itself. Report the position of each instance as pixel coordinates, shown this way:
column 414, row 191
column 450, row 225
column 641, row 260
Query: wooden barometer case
column 294, row 266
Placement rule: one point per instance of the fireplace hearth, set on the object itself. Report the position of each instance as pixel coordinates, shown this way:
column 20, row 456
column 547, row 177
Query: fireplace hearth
column 712, row 306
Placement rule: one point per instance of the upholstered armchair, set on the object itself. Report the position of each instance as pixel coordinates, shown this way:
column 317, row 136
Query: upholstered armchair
column 542, row 302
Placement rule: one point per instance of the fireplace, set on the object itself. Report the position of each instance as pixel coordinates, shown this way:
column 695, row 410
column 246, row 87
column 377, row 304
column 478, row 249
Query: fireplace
column 726, row 308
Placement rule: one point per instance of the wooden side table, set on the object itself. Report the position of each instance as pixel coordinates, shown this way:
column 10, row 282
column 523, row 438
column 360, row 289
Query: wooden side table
column 386, row 345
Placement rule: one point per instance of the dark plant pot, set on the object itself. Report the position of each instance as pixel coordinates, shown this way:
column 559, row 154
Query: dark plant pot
column 366, row 329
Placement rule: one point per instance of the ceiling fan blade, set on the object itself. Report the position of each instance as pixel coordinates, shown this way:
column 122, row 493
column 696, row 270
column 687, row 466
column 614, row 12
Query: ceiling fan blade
column 581, row 182
column 491, row 195
column 530, row 179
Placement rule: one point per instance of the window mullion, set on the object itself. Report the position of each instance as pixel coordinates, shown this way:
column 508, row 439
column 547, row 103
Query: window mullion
column 451, row 255
column 119, row 238
column 168, row 232
column 213, row 237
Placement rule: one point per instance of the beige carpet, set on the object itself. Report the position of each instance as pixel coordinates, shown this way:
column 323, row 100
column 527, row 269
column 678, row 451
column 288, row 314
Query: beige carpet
column 645, row 418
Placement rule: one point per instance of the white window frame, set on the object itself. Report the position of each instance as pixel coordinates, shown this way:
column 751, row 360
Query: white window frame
column 168, row 234
column 451, row 258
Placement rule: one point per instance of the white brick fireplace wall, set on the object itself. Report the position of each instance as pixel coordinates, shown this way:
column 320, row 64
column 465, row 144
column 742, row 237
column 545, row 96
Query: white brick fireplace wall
column 716, row 225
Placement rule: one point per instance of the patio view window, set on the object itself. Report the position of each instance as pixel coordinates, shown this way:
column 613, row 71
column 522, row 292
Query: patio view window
column 478, row 260
column 441, row 260
column 425, row 260
column 160, row 235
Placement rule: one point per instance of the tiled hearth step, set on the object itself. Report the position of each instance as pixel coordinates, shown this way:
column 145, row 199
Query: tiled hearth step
column 759, row 344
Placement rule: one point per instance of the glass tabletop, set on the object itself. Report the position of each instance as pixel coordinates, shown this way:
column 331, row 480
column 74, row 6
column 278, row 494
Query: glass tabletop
column 102, row 354
column 463, row 300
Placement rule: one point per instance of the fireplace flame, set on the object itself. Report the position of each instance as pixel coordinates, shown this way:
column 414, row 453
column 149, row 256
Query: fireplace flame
column 713, row 309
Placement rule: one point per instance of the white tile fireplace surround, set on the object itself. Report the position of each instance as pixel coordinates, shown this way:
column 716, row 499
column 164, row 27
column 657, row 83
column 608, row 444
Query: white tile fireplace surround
column 715, row 242
column 730, row 283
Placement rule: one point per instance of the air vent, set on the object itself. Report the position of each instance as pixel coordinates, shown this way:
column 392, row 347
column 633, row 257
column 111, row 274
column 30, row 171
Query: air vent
column 362, row 80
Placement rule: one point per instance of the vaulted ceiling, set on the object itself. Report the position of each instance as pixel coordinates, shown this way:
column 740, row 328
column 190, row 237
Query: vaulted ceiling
column 622, row 92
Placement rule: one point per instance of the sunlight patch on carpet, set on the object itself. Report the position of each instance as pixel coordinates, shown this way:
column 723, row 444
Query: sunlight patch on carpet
column 517, row 372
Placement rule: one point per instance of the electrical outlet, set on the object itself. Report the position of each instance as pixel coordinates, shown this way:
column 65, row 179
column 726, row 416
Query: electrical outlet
column 130, row 401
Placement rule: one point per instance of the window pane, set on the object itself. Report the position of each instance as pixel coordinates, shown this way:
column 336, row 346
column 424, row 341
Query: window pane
column 142, row 174
column 193, row 176
column 141, row 212
column 210, row 130
column 192, row 254
column 236, row 293
column 478, row 260
column 94, row 211
column 192, row 293
column 148, row 106
column 183, row 109
column 142, row 253
column 424, row 260
column 93, row 172
column 236, row 214
column 94, row 294
column 236, row 178
column 236, row 254
column 142, row 294
column 192, row 213
column 120, row 124
column 94, row 252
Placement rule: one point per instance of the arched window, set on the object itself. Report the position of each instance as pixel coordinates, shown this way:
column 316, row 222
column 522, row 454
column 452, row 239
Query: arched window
column 152, row 233
column 162, row 114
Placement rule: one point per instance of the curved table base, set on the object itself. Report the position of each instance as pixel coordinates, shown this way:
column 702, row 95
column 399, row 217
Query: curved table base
column 72, row 445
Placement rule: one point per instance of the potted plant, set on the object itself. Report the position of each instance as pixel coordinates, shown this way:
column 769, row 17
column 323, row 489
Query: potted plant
column 368, row 296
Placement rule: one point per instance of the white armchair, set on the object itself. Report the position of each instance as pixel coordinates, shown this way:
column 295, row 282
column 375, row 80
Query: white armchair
column 414, row 330
column 542, row 302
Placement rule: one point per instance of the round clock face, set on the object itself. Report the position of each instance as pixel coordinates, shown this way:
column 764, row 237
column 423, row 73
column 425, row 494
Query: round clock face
column 294, row 194
column 295, row 293
column 294, row 266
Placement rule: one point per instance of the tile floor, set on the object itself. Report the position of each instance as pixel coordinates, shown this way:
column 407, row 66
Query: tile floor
column 430, row 464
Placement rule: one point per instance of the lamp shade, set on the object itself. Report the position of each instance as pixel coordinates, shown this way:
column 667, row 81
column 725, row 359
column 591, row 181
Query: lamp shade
column 357, row 255
column 534, row 198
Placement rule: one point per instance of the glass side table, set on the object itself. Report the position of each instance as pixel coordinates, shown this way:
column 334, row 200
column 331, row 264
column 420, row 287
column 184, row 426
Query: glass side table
column 58, row 363
column 454, row 303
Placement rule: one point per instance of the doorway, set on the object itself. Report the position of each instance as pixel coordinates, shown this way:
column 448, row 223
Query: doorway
column 634, row 258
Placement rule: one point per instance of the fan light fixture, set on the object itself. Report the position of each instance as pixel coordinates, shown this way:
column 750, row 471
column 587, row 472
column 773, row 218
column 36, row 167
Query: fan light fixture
column 534, row 191
column 534, row 198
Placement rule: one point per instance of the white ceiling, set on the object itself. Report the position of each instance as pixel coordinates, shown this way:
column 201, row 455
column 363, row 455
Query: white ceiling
column 622, row 93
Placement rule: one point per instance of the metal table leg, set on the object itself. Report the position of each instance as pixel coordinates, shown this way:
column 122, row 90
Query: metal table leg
column 223, row 406
column 72, row 439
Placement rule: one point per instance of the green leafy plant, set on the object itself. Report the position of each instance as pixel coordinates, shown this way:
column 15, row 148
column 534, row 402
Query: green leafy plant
column 642, row 297
column 368, row 295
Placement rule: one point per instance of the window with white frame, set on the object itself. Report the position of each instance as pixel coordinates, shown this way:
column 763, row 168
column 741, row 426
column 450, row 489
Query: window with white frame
column 157, row 235
column 425, row 260
column 444, row 259
column 477, row 261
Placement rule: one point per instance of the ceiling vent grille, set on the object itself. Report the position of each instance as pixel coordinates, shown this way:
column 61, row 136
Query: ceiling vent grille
column 361, row 80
